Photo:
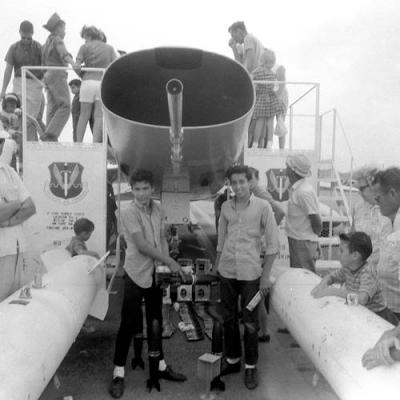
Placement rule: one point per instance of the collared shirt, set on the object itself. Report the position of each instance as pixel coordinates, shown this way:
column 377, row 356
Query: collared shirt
column 241, row 235
column 10, row 148
column 302, row 202
column 11, row 189
column 54, row 52
column 95, row 54
column 75, row 246
column 389, row 266
column 150, row 223
column 368, row 219
column 251, row 42
column 20, row 55
column 362, row 280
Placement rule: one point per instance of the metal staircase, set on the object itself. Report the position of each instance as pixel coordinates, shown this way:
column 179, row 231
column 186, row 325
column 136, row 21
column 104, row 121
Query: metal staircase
column 330, row 188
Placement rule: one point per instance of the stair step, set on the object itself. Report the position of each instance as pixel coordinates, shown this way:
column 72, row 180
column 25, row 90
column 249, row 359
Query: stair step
column 330, row 199
column 326, row 241
column 328, row 218
column 326, row 179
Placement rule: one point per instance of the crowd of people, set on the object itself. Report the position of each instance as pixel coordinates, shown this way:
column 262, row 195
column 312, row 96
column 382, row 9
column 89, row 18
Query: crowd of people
column 94, row 54
column 271, row 102
column 247, row 222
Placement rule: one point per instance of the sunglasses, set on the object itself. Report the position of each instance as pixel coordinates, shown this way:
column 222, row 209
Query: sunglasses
column 2, row 141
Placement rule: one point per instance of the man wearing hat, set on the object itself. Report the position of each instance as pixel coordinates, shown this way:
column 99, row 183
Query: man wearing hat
column 303, row 222
column 55, row 54
column 26, row 52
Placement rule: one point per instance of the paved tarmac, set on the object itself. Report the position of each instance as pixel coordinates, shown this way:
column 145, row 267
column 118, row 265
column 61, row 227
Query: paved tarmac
column 284, row 370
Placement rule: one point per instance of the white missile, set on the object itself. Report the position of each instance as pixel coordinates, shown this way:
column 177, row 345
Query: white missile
column 37, row 332
column 335, row 336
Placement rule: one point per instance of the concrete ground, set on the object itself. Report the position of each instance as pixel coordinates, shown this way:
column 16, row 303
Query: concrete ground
column 284, row 370
column 285, row 373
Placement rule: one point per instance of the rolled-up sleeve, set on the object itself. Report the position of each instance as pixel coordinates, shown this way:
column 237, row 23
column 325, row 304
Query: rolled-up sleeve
column 222, row 227
column 271, row 235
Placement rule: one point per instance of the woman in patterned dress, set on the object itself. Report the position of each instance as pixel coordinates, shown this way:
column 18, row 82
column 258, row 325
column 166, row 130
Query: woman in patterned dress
column 267, row 104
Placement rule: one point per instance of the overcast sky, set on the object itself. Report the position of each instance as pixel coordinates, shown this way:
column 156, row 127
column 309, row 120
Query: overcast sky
column 351, row 47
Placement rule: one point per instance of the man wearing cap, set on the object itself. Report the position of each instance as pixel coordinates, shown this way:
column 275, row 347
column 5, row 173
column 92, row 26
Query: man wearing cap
column 303, row 222
column 55, row 54
column 26, row 52
column 16, row 206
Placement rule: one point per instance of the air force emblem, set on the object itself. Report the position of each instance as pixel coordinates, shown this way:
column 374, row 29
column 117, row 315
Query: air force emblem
column 65, row 179
column 278, row 184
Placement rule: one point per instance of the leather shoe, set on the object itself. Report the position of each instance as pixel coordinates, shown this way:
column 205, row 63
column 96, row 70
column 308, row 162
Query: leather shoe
column 170, row 375
column 117, row 387
column 227, row 368
column 251, row 378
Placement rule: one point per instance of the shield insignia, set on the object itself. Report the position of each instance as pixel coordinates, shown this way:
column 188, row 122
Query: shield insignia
column 278, row 184
column 65, row 179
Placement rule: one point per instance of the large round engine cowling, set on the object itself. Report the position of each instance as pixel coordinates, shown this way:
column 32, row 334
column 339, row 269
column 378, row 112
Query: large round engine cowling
column 218, row 98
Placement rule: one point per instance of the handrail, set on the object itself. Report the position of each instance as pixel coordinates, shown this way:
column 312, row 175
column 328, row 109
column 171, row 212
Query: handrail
column 55, row 68
column 268, row 82
column 344, row 198
column 26, row 70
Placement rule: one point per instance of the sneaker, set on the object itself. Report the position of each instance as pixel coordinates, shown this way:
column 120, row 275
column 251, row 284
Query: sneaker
column 269, row 145
column 227, row 368
column 117, row 387
column 170, row 375
column 251, row 378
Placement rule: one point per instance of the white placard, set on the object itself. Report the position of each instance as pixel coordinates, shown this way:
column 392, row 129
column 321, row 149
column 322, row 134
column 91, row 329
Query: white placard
column 67, row 181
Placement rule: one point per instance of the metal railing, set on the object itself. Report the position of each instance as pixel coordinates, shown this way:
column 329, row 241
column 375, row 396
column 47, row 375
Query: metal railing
column 312, row 87
column 27, row 71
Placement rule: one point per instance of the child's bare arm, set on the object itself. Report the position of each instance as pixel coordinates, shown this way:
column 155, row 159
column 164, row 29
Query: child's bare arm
column 87, row 253
column 325, row 282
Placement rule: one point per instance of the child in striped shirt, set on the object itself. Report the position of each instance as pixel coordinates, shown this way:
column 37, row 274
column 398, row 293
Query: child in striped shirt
column 356, row 276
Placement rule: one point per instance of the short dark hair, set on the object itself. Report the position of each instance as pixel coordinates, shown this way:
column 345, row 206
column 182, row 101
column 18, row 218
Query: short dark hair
column 237, row 25
column 358, row 241
column 11, row 98
column 75, row 82
column 388, row 178
column 239, row 169
column 83, row 225
column 26, row 27
column 254, row 172
column 141, row 175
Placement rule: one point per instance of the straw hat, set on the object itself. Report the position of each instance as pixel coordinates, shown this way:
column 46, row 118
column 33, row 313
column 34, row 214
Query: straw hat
column 300, row 164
